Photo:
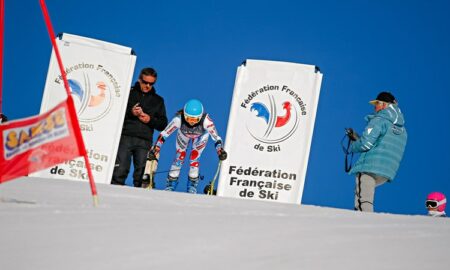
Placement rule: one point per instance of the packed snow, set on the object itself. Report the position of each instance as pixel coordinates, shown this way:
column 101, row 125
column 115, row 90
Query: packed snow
column 52, row 225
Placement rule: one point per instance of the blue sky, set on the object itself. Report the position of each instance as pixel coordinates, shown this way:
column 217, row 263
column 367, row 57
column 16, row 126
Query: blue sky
column 361, row 47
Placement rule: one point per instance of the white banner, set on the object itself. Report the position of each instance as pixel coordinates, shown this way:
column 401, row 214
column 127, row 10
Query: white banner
column 269, row 131
column 99, row 75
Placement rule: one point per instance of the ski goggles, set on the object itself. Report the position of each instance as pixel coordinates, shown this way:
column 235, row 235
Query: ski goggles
column 434, row 203
column 192, row 120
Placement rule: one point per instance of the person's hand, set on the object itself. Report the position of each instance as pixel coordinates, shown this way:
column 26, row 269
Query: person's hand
column 352, row 135
column 222, row 154
column 145, row 118
column 136, row 110
column 3, row 118
column 153, row 154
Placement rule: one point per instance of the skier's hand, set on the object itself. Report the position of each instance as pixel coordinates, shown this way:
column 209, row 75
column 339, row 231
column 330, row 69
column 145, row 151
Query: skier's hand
column 3, row 118
column 352, row 135
column 222, row 154
column 153, row 154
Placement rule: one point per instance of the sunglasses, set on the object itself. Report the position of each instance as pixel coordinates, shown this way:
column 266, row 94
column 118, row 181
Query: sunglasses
column 147, row 83
column 434, row 204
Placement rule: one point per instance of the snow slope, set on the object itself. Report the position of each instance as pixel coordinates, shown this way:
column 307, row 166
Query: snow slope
column 52, row 225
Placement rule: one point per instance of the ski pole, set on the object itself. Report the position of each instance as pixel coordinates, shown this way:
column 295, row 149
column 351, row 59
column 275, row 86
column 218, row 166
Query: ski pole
column 210, row 189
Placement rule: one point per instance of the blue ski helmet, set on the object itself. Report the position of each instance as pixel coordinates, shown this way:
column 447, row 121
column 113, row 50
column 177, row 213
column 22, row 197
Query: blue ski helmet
column 193, row 108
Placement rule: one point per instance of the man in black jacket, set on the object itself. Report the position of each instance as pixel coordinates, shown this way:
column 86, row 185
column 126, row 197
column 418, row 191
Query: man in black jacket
column 145, row 113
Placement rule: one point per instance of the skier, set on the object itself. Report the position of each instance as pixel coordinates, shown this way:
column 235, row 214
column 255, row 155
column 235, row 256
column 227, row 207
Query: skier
column 435, row 204
column 194, row 125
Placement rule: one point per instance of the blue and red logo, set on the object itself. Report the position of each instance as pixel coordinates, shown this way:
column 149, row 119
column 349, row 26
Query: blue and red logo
column 273, row 120
column 264, row 113
column 93, row 102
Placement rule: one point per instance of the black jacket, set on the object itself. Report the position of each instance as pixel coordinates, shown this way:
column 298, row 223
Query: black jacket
column 153, row 105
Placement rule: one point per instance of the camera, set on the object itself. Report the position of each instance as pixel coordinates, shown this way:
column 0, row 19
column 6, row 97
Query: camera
column 348, row 131
column 351, row 134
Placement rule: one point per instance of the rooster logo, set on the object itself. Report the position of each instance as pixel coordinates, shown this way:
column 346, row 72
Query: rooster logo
column 274, row 120
column 93, row 101
column 263, row 112
column 86, row 98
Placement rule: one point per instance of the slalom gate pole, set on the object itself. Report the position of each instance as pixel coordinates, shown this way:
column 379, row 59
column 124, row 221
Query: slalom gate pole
column 2, row 27
column 70, row 103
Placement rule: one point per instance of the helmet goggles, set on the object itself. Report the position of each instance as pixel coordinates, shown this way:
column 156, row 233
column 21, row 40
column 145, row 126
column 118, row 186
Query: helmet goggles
column 434, row 203
column 192, row 120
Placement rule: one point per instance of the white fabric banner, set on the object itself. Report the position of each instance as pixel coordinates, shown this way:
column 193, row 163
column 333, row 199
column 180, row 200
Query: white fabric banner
column 269, row 131
column 99, row 75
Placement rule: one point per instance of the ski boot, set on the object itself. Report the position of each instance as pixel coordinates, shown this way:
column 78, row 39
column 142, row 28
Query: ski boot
column 171, row 183
column 192, row 185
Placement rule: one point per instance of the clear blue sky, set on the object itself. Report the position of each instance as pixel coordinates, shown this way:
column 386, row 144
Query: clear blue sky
column 362, row 48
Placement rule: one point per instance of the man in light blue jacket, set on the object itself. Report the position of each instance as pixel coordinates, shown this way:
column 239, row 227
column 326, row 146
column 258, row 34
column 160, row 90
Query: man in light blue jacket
column 381, row 148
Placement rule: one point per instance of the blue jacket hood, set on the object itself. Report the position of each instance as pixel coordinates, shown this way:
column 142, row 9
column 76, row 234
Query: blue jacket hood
column 392, row 113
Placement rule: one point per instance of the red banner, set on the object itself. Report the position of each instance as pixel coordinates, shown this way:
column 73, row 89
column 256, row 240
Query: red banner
column 37, row 142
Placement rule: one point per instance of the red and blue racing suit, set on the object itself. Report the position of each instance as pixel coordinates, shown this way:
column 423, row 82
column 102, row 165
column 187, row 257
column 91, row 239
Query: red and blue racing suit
column 198, row 134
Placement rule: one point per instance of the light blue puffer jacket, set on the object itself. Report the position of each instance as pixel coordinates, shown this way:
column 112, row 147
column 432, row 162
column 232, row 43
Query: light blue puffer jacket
column 382, row 144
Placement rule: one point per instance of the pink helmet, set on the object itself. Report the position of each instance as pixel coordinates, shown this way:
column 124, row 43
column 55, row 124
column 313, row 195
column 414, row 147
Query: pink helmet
column 436, row 199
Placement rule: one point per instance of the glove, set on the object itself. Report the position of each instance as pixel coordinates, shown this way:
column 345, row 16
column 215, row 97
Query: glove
column 3, row 118
column 153, row 154
column 222, row 154
column 352, row 135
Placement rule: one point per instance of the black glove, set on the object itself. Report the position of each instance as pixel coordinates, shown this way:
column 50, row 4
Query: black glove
column 352, row 135
column 3, row 118
column 222, row 154
column 153, row 154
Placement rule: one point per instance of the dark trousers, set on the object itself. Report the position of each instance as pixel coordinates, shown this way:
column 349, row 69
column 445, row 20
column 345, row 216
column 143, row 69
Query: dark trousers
column 130, row 147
